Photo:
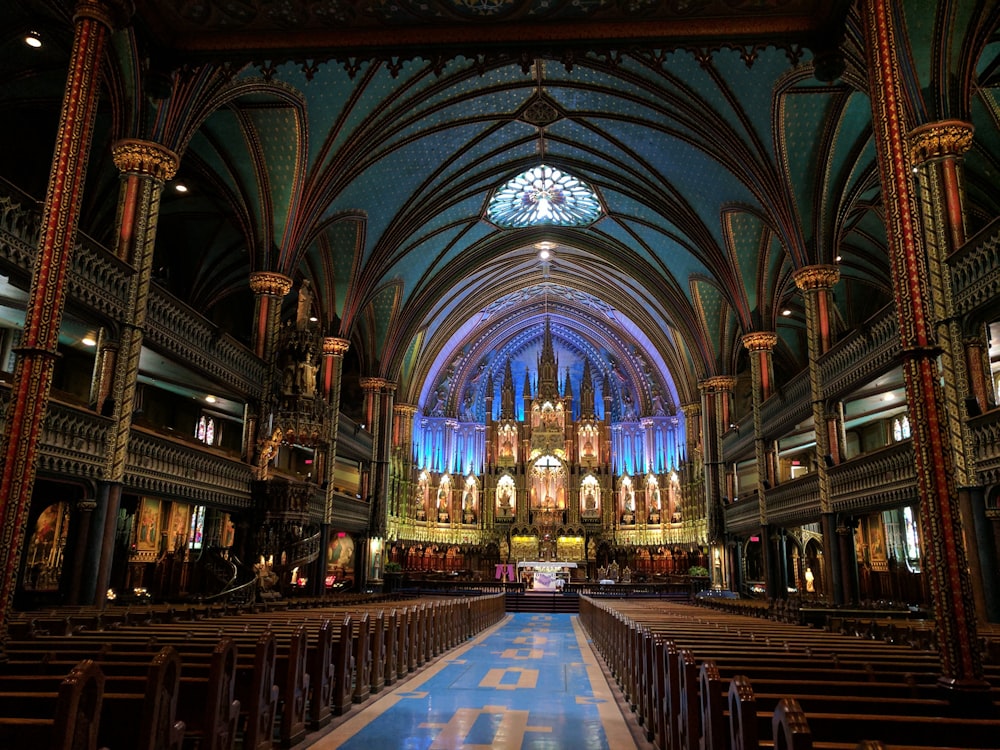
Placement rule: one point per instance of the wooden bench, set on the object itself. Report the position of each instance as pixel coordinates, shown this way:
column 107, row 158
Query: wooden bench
column 62, row 714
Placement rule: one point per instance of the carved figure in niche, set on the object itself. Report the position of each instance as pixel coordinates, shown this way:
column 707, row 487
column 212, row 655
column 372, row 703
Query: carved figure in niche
column 627, row 404
column 438, row 409
column 629, row 500
column 659, row 408
column 589, row 500
column 307, row 378
column 506, row 444
column 442, row 499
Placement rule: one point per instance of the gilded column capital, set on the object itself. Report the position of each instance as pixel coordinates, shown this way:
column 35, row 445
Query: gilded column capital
column 691, row 410
column 717, row 384
column 377, row 385
column 816, row 277
column 145, row 158
column 406, row 410
column 335, row 346
column 760, row 341
column 270, row 282
column 112, row 13
column 939, row 139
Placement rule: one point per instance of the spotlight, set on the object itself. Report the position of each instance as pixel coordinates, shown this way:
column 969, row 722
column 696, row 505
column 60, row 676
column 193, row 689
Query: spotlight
column 33, row 39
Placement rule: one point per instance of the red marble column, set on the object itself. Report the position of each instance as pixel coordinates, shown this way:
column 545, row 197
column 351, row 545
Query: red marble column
column 946, row 563
column 93, row 21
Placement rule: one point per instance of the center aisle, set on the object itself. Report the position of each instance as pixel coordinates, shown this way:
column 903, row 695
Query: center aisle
column 530, row 682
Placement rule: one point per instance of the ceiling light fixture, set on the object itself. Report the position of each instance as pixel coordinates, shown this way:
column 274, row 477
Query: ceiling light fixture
column 89, row 340
column 33, row 39
column 210, row 399
column 180, row 187
column 786, row 312
column 544, row 255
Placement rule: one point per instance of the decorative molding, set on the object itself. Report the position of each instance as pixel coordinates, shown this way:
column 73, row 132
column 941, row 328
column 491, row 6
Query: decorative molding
column 760, row 341
column 937, row 140
column 335, row 346
column 270, row 283
column 816, row 277
column 145, row 158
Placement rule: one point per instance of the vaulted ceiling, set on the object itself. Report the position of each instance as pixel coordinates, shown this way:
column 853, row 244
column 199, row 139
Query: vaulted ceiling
column 357, row 145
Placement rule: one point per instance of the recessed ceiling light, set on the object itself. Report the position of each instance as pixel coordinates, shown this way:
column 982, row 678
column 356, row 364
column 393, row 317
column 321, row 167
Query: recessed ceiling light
column 786, row 312
column 889, row 397
column 89, row 340
column 544, row 255
column 210, row 399
column 313, row 319
column 180, row 187
column 838, row 259
column 33, row 39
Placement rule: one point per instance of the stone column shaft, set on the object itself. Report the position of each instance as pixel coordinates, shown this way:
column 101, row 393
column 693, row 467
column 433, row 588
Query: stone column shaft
column 36, row 356
column 947, row 566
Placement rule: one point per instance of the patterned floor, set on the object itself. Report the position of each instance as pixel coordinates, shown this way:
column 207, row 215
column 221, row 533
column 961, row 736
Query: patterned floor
column 532, row 683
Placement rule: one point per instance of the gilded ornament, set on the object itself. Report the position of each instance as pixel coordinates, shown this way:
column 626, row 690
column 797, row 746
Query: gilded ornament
column 269, row 282
column 145, row 158
column 936, row 140
column 816, row 277
column 335, row 346
column 760, row 341
column 718, row 383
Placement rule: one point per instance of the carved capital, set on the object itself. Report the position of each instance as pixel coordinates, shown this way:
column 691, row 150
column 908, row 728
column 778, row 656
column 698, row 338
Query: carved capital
column 816, row 277
column 406, row 410
column 145, row 158
column 377, row 385
column 269, row 282
column 335, row 346
column 717, row 384
column 936, row 140
column 760, row 341
column 691, row 411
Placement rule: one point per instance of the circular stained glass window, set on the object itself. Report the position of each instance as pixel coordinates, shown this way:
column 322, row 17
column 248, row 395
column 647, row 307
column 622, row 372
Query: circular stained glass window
column 544, row 195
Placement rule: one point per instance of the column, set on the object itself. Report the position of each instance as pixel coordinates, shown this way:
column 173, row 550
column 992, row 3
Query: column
column 947, row 566
column 693, row 473
column 269, row 289
column 378, row 398
column 145, row 166
column 93, row 20
column 402, row 440
column 816, row 284
column 334, row 350
column 936, row 151
column 760, row 346
column 715, row 403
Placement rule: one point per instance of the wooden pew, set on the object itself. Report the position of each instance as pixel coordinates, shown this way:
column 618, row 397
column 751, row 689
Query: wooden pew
column 65, row 715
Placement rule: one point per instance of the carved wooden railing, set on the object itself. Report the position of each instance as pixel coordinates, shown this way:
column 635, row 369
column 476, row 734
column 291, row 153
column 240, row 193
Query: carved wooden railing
column 986, row 439
column 99, row 281
column 793, row 502
column 186, row 471
column 72, row 441
column 96, row 278
column 743, row 515
column 882, row 479
column 868, row 352
column 975, row 272
column 790, row 404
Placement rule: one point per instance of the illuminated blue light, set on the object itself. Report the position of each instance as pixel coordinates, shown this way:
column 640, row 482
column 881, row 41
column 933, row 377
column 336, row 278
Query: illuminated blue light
column 544, row 195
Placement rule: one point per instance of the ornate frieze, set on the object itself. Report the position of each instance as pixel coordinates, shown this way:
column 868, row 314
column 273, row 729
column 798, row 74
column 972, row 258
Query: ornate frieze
column 816, row 277
column 936, row 140
column 270, row 283
column 145, row 158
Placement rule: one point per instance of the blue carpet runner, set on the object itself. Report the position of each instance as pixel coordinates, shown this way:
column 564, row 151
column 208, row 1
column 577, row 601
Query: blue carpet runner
column 531, row 683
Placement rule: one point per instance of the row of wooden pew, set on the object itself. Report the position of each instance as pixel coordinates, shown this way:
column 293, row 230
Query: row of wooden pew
column 717, row 681
column 260, row 679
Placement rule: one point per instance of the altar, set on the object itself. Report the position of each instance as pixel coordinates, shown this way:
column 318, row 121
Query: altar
column 545, row 576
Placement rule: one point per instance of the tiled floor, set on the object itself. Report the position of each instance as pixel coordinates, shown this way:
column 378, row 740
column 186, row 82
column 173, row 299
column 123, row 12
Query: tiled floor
column 531, row 683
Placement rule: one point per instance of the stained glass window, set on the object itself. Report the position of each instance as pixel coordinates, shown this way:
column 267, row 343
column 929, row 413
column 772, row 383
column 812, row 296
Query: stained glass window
column 544, row 195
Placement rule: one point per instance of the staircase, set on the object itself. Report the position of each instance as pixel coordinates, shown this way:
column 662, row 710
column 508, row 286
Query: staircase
column 542, row 601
